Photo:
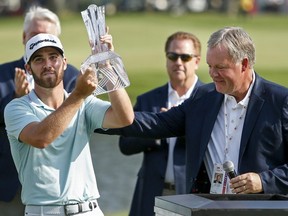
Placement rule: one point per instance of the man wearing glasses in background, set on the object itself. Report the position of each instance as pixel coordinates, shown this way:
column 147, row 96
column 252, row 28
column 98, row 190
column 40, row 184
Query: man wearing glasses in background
column 163, row 166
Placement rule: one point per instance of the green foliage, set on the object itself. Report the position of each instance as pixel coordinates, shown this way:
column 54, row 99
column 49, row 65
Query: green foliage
column 139, row 39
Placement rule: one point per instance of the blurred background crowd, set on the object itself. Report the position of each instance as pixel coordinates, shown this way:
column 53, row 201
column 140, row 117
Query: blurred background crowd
column 178, row 7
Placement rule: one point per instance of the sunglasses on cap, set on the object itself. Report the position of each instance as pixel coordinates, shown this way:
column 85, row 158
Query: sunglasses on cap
column 184, row 57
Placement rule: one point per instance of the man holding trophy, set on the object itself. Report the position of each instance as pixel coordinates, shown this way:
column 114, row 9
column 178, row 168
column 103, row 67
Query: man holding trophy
column 49, row 129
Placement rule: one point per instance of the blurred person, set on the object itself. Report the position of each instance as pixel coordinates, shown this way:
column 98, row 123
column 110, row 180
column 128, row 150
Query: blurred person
column 248, row 6
column 239, row 117
column 16, row 82
column 163, row 167
column 49, row 131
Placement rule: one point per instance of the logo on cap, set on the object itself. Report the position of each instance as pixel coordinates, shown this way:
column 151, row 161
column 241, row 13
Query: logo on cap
column 40, row 41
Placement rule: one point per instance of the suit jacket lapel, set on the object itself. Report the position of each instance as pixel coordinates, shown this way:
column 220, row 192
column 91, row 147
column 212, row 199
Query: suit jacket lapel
column 162, row 97
column 255, row 105
column 213, row 102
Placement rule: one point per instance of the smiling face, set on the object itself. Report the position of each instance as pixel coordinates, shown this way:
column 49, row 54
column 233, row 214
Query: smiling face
column 230, row 57
column 230, row 77
column 47, row 66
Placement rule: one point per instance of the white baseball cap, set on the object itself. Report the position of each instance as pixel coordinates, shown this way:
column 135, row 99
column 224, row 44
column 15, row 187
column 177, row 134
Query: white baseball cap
column 39, row 41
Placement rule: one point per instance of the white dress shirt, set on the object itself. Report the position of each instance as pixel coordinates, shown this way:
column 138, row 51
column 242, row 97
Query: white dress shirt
column 225, row 138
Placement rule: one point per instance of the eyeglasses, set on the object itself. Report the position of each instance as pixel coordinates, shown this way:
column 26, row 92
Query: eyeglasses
column 184, row 57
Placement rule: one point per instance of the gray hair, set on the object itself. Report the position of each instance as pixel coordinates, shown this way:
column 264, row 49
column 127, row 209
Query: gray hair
column 237, row 41
column 39, row 13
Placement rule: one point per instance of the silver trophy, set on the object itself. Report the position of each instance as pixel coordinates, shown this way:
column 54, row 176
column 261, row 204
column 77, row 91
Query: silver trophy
column 108, row 66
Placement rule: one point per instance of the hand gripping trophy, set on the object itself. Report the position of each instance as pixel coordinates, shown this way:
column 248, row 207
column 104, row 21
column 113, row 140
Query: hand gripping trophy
column 107, row 65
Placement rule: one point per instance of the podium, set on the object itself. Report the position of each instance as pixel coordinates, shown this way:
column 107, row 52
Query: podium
column 221, row 205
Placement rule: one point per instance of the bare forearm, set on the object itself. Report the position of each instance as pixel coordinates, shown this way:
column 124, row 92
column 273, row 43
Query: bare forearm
column 43, row 133
column 121, row 112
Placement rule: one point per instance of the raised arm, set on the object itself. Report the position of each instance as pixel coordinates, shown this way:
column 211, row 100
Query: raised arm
column 41, row 134
column 121, row 113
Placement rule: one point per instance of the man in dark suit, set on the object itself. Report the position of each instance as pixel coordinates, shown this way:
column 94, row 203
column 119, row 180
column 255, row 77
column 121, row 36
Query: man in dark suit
column 163, row 167
column 239, row 117
column 15, row 82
